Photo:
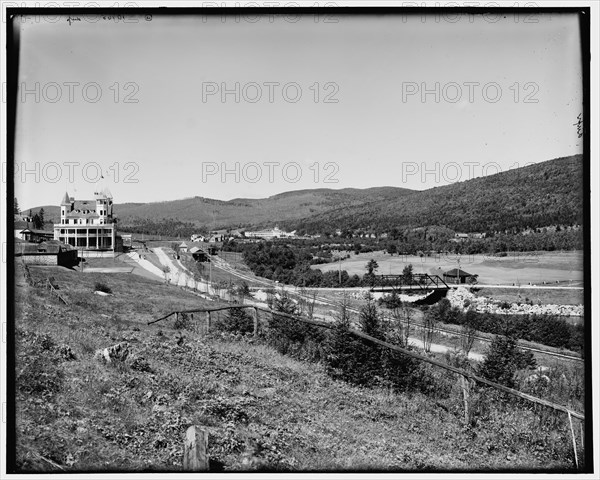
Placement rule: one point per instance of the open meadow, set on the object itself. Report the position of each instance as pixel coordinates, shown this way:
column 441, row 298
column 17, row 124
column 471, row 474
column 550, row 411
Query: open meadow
column 523, row 271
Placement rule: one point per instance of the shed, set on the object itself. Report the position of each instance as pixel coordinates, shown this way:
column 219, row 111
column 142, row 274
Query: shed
column 51, row 252
column 458, row 276
column 31, row 235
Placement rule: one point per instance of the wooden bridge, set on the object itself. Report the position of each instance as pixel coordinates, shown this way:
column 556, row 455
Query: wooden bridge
column 417, row 281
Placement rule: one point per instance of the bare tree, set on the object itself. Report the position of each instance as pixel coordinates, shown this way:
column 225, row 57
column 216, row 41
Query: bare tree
column 469, row 330
column 243, row 292
column 343, row 315
column 407, row 314
column 430, row 321
column 310, row 304
column 396, row 331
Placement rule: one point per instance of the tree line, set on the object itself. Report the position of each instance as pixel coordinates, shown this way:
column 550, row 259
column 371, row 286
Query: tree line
column 545, row 329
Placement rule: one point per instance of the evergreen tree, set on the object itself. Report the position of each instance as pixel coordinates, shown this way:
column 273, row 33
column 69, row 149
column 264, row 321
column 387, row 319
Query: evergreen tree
column 38, row 223
column 342, row 347
column 407, row 275
column 503, row 359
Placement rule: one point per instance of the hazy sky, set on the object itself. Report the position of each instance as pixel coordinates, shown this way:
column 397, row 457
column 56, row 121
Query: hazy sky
column 317, row 104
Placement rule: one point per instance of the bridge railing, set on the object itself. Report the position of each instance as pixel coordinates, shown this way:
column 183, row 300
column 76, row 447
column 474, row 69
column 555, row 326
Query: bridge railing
column 417, row 281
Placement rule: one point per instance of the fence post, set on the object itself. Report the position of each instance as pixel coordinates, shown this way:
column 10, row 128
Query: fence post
column 464, row 383
column 255, row 321
column 574, row 443
column 195, row 457
column 207, row 325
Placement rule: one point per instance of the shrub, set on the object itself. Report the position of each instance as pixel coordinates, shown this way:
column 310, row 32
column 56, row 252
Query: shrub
column 391, row 301
column 237, row 320
column 362, row 362
column 184, row 321
column 290, row 336
column 295, row 338
column 40, row 376
column 140, row 364
column 102, row 287
column 39, row 372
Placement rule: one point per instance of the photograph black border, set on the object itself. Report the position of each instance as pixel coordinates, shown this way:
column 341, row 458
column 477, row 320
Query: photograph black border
column 12, row 68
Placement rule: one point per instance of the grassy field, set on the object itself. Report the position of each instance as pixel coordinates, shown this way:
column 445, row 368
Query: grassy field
column 524, row 269
column 262, row 410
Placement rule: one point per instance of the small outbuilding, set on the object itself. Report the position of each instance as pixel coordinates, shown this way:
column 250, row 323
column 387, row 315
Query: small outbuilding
column 458, row 276
column 36, row 236
column 51, row 252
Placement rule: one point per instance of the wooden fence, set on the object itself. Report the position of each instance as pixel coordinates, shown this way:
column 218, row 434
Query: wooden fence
column 395, row 348
column 463, row 375
column 50, row 285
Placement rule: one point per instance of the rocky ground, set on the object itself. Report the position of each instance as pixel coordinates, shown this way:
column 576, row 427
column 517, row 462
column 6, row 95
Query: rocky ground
column 461, row 297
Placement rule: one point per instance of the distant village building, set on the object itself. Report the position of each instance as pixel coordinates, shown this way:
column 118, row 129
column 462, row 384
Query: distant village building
column 458, row 276
column 271, row 233
column 24, row 231
column 35, row 236
column 127, row 239
column 183, row 247
column 196, row 237
column 459, row 237
column 87, row 224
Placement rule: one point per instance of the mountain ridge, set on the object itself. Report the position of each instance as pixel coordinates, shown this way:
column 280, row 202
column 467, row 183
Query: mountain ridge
column 539, row 195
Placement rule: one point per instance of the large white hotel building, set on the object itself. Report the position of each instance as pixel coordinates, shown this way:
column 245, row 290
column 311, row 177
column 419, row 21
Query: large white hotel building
column 87, row 224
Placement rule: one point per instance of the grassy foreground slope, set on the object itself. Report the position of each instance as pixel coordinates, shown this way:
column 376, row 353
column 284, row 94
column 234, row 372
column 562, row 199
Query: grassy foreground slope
column 262, row 410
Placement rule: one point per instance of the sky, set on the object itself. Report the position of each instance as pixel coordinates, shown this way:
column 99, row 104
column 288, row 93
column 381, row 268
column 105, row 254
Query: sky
column 169, row 107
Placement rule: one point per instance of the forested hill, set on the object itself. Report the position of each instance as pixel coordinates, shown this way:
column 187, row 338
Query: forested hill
column 544, row 194
column 207, row 213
